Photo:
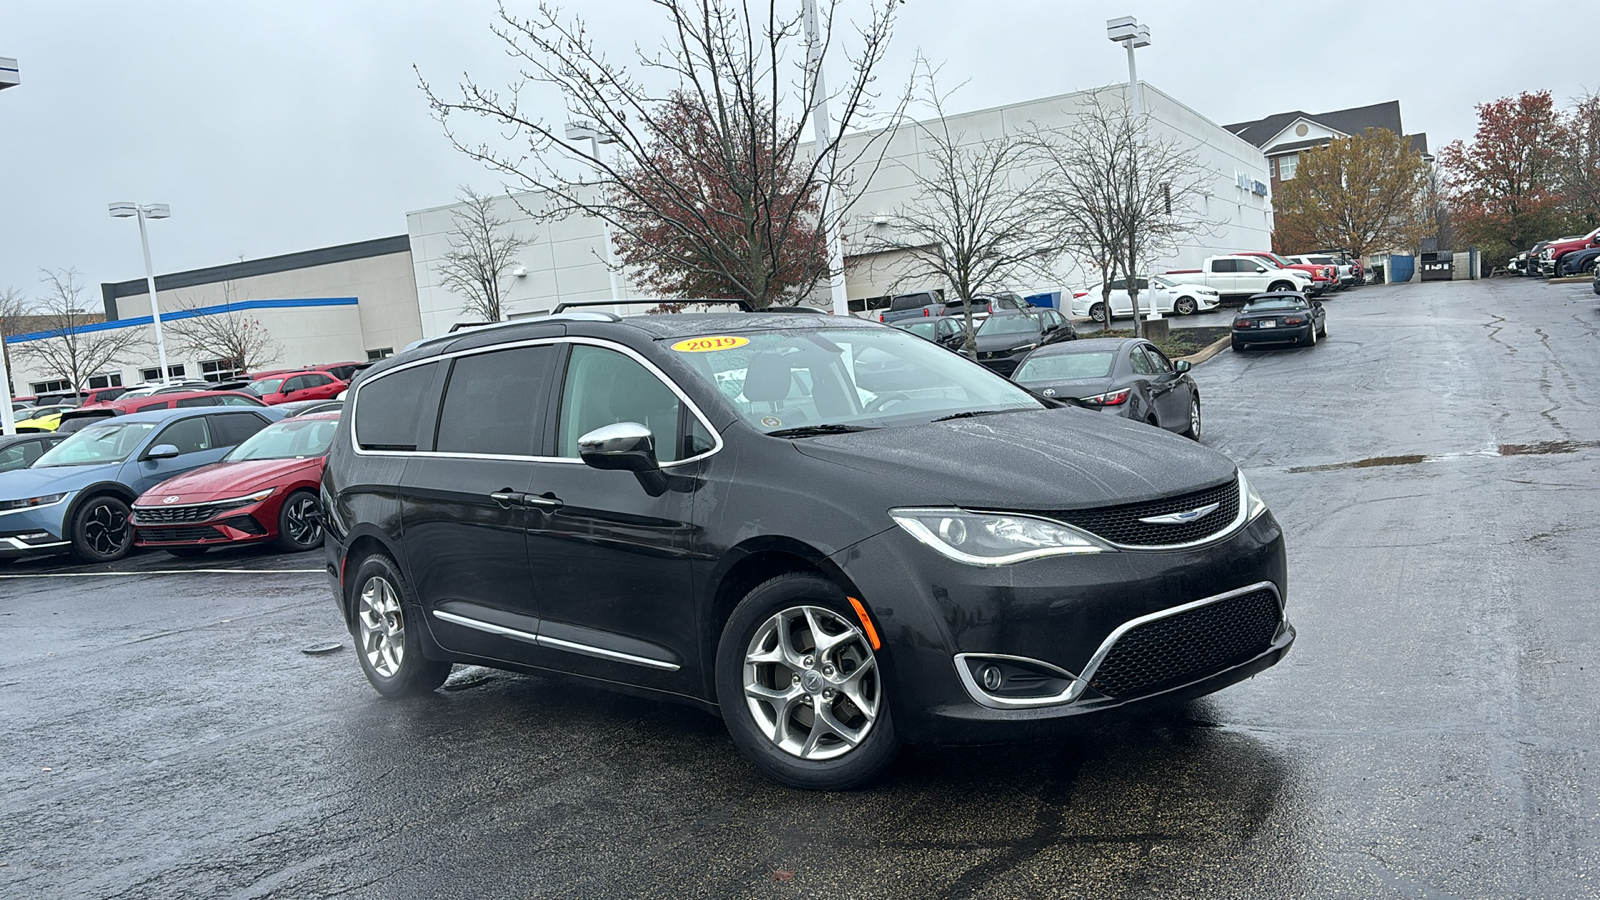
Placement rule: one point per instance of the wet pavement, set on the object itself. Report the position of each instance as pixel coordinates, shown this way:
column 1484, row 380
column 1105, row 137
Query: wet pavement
column 1431, row 734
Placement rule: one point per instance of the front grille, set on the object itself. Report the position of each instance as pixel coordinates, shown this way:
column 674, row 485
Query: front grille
column 159, row 515
column 1121, row 525
column 1177, row 649
column 181, row 535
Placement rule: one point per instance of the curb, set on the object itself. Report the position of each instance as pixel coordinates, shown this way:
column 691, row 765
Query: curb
column 1571, row 279
column 1195, row 359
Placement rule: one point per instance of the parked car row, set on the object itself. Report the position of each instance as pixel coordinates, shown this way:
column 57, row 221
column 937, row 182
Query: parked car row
column 1574, row 254
column 177, row 478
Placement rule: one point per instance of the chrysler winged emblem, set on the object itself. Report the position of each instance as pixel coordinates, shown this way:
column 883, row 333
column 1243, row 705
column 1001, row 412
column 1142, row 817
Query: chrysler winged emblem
column 1180, row 518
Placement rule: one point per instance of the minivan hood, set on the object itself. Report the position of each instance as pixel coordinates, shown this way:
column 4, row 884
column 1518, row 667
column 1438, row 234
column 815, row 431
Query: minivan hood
column 1047, row 459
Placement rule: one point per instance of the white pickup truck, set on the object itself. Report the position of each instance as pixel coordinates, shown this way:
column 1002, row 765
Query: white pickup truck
column 1241, row 276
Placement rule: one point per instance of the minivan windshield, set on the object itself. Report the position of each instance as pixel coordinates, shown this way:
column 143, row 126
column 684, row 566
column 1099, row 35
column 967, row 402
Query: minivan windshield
column 847, row 378
column 106, row 443
column 289, row 439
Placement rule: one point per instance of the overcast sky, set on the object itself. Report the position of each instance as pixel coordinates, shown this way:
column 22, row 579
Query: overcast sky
column 287, row 125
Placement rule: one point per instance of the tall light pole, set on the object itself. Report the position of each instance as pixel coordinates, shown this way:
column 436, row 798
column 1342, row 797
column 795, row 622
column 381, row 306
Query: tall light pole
column 577, row 131
column 10, row 76
column 819, row 122
column 1131, row 35
column 123, row 210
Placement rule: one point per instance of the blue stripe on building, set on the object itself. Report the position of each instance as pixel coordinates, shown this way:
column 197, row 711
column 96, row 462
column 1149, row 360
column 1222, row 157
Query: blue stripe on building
column 140, row 321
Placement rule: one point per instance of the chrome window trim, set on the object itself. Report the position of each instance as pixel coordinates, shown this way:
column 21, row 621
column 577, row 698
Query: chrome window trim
column 555, row 643
column 355, row 398
column 1080, row 683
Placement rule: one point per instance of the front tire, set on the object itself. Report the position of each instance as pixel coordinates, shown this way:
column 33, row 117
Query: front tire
column 298, row 527
column 390, row 653
column 1281, row 286
column 801, row 688
column 1185, row 306
column 101, row 530
column 1196, row 425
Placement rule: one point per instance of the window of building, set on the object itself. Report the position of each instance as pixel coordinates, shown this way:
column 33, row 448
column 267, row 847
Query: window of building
column 1287, row 166
column 380, row 353
column 154, row 373
column 221, row 369
column 388, row 410
column 108, row 380
column 494, row 402
column 51, row 387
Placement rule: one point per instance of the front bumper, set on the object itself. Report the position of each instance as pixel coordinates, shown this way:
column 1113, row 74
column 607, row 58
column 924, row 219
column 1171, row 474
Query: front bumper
column 236, row 525
column 35, row 531
column 1058, row 611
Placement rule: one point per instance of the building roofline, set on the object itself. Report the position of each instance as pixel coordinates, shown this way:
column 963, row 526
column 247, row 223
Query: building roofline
column 176, row 314
column 251, row 268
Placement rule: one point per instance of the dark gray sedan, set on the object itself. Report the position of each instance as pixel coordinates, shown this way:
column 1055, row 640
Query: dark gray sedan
column 1128, row 377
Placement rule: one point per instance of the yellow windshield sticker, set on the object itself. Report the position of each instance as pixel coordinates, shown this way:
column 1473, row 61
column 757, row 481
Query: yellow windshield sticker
column 708, row 344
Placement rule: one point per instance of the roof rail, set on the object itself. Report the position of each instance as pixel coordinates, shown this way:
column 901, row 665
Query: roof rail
column 658, row 301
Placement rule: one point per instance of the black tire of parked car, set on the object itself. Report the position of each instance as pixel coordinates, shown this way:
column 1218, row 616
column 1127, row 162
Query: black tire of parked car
column 1238, row 345
column 1280, row 286
column 1185, row 306
column 1196, row 426
column 102, row 530
column 1324, row 328
column 298, row 530
column 187, row 552
column 856, row 768
column 415, row 675
column 1310, row 340
column 1097, row 312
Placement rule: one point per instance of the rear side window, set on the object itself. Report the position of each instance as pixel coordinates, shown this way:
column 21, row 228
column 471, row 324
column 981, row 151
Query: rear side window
column 389, row 409
column 232, row 429
column 159, row 404
column 604, row 387
column 494, row 402
column 188, row 402
column 1141, row 363
column 1225, row 265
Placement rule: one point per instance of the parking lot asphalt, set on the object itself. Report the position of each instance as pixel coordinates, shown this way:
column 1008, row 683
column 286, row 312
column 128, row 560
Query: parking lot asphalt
column 1433, row 732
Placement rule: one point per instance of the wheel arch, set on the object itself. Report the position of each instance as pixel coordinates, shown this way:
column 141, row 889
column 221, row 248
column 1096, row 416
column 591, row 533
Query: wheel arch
column 358, row 545
column 98, row 489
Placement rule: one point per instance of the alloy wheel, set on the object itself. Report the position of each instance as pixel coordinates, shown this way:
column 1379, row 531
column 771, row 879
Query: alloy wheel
column 1185, row 306
column 300, row 520
column 383, row 629
column 105, row 529
column 1194, row 419
column 811, row 683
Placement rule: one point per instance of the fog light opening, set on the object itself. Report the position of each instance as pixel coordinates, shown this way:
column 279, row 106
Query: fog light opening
column 993, row 678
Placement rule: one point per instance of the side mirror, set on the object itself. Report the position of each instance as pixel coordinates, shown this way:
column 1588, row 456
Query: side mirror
column 1181, row 366
column 161, row 451
column 627, row 446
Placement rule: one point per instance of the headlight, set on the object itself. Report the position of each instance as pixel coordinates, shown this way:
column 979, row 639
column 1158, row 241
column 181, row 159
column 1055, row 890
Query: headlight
column 1253, row 504
column 993, row 539
column 1023, row 348
column 29, row 503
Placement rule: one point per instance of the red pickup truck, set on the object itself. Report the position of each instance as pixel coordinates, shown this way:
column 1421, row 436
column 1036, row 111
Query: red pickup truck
column 1323, row 278
column 1557, row 249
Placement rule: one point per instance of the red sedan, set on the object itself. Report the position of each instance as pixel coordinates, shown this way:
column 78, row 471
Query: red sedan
column 265, row 490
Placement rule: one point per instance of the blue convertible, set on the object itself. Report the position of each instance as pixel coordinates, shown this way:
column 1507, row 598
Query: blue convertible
column 76, row 496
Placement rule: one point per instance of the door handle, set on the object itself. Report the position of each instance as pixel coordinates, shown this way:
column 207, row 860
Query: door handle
column 507, row 497
column 544, row 502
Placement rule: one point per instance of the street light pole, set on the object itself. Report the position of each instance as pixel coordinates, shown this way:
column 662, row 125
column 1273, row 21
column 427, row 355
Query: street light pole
column 819, row 122
column 580, row 132
column 1131, row 35
column 123, row 210
column 10, row 76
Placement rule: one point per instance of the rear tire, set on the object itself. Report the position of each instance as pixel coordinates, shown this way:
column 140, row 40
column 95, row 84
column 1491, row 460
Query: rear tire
column 807, row 719
column 389, row 652
column 1238, row 346
column 1280, row 286
column 102, row 530
column 1311, row 336
column 1097, row 312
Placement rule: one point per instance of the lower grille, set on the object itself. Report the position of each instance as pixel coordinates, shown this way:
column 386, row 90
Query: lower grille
column 189, row 535
column 1180, row 648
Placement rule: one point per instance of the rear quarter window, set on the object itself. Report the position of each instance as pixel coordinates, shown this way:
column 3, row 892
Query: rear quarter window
column 389, row 409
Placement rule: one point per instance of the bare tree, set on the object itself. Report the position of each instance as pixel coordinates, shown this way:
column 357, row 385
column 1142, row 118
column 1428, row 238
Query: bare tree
column 74, row 349
column 13, row 321
column 743, row 64
column 976, row 221
column 481, row 255
column 228, row 334
column 1125, row 194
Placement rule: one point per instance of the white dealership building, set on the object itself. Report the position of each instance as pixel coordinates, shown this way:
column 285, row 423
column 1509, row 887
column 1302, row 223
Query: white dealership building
column 566, row 260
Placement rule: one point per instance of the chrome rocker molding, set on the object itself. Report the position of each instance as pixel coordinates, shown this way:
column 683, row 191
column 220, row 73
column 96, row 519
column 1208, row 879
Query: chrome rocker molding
column 555, row 643
column 1080, row 683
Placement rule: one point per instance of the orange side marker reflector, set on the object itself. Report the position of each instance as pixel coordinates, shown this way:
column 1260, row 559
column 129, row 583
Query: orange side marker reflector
column 861, row 613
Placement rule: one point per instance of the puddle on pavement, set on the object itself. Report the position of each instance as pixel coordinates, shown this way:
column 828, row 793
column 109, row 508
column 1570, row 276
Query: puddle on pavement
column 1542, row 448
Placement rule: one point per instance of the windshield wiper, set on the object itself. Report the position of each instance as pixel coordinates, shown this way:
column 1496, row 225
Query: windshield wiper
column 817, row 430
column 974, row 413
